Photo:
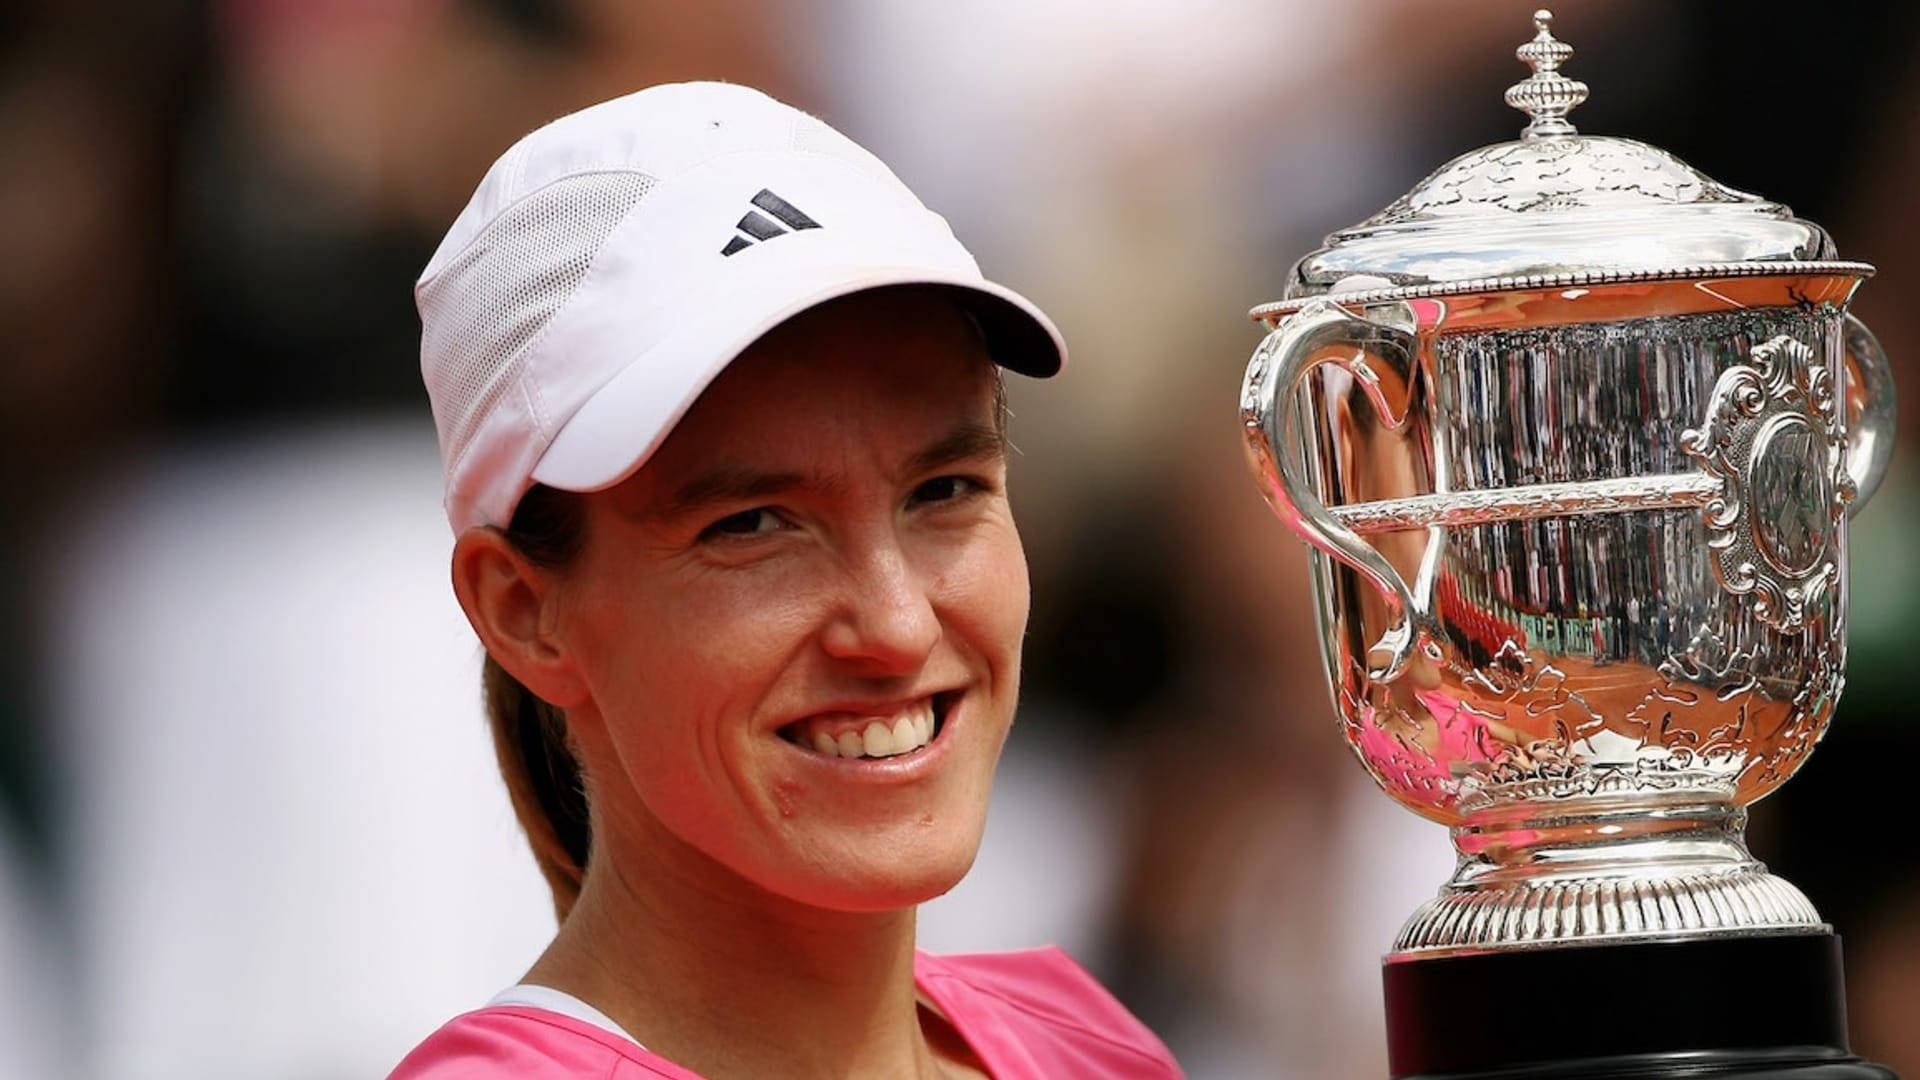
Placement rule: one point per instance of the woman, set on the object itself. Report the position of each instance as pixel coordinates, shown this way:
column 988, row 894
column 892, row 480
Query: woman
column 721, row 415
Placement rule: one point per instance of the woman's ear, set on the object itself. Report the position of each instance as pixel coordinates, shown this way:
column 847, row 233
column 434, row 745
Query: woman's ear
column 509, row 601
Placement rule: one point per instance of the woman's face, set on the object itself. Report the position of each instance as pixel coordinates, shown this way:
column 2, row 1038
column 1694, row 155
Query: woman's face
column 815, row 572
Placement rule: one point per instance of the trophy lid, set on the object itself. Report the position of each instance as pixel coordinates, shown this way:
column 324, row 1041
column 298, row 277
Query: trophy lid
column 1557, row 207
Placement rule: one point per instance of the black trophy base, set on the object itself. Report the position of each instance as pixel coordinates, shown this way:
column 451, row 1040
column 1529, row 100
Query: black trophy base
column 1733, row 1008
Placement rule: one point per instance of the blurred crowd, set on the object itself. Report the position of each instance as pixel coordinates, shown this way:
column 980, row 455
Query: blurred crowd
column 248, row 820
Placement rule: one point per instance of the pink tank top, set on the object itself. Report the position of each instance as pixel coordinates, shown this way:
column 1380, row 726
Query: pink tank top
column 1030, row 1015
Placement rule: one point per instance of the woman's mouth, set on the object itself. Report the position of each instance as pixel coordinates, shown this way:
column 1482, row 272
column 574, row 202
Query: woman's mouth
column 867, row 735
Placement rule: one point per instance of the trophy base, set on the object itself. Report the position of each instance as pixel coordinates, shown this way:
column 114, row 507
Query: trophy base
column 1765, row 1007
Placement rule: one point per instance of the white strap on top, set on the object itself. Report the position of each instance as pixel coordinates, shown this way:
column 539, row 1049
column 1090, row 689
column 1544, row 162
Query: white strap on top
column 559, row 1001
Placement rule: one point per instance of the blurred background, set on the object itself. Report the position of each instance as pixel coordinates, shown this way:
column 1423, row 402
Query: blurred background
column 249, row 824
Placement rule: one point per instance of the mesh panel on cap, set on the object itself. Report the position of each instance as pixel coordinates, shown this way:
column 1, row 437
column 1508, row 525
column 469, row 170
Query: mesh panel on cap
column 481, row 312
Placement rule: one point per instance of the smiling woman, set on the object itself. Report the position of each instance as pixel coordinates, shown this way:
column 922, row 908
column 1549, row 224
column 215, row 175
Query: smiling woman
column 727, row 474
column 846, row 577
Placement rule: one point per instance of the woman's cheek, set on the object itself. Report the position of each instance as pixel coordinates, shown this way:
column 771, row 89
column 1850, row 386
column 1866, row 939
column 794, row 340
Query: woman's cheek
column 989, row 583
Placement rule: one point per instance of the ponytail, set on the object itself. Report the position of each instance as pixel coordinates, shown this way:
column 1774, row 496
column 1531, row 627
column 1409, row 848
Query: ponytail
column 537, row 762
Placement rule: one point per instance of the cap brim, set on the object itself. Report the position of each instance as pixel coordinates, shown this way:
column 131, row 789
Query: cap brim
column 623, row 423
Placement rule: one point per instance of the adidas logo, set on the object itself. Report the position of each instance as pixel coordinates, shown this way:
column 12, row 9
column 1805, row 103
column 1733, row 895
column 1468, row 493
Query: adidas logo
column 760, row 227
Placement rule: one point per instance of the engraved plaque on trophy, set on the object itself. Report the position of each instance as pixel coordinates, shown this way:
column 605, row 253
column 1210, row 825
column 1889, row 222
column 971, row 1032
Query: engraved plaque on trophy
column 1574, row 432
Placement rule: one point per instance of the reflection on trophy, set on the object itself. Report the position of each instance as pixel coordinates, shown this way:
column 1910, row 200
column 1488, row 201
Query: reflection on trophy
column 1575, row 432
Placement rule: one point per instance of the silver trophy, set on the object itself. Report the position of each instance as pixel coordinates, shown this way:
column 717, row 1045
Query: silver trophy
column 1575, row 431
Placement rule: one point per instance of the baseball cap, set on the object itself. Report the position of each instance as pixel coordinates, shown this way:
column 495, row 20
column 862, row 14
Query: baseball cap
column 613, row 262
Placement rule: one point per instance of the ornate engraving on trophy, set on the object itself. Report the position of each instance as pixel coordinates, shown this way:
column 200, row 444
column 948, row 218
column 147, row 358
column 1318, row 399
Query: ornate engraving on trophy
column 1789, row 496
column 1771, row 439
column 1538, row 758
column 1559, row 175
column 1779, row 752
column 1701, row 705
column 1615, row 496
column 1403, row 754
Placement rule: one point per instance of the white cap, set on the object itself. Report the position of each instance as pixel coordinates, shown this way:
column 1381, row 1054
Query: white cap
column 614, row 261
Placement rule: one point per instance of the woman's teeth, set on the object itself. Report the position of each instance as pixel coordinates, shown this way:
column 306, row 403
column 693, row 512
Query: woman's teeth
column 903, row 733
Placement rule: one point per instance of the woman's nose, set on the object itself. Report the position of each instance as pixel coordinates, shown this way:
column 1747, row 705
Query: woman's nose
column 885, row 621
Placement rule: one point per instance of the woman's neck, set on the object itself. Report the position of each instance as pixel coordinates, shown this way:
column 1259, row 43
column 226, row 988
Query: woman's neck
column 724, row 978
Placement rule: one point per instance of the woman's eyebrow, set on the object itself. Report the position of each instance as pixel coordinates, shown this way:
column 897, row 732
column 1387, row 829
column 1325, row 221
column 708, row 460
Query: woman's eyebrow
column 727, row 484
column 969, row 441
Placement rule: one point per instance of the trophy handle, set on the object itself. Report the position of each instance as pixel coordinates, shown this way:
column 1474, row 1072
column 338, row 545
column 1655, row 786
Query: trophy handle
column 1323, row 333
column 1870, row 411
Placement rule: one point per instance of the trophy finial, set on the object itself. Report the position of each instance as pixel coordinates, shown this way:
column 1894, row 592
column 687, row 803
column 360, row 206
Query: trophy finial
column 1546, row 96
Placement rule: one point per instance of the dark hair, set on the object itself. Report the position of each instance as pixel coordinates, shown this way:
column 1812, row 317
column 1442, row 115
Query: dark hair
column 530, row 737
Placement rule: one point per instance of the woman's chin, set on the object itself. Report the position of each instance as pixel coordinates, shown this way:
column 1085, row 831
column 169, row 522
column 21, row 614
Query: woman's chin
column 874, row 885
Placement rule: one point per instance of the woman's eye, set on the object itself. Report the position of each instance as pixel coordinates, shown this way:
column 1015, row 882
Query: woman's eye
column 943, row 489
column 756, row 522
